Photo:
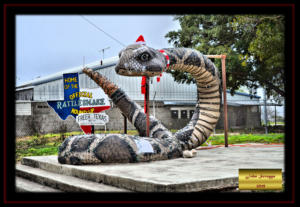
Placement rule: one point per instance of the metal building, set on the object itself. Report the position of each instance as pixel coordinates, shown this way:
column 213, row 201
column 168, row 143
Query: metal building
column 169, row 100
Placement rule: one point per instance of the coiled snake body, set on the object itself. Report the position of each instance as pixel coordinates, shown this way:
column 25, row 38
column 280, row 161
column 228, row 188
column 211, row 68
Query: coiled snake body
column 140, row 60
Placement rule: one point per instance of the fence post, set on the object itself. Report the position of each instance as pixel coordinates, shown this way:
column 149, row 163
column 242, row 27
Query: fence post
column 225, row 100
column 223, row 59
column 266, row 115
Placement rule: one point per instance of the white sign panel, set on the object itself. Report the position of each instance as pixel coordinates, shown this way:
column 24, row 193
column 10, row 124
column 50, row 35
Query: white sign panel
column 93, row 97
column 92, row 119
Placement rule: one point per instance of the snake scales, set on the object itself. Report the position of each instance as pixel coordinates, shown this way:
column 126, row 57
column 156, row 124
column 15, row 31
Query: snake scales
column 141, row 60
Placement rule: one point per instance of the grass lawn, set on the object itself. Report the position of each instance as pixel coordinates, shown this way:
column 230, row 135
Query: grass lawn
column 247, row 138
column 48, row 144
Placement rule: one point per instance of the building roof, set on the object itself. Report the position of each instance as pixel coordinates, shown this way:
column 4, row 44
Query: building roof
column 78, row 69
column 24, row 88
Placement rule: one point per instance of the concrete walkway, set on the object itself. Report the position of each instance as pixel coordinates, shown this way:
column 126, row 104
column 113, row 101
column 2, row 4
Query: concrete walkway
column 213, row 168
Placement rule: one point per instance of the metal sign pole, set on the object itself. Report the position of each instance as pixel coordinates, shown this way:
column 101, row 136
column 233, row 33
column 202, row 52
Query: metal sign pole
column 125, row 124
column 147, row 106
column 93, row 129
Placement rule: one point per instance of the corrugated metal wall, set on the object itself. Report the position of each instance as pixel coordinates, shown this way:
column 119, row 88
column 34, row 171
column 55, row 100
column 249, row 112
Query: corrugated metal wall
column 166, row 90
column 50, row 91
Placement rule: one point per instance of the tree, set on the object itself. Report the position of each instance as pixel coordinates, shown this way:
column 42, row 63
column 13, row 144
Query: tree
column 254, row 45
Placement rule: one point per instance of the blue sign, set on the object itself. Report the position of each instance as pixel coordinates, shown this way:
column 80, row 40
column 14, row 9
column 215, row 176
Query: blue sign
column 71, row 97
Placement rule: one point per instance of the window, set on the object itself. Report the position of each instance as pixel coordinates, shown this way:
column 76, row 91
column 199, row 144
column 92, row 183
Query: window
column 174, row 114
column 42, row 107
column 184, row 114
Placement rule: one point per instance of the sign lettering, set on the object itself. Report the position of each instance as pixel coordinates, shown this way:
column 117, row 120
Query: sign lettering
column 66, row 107
column 92, row 119
column 84, row 105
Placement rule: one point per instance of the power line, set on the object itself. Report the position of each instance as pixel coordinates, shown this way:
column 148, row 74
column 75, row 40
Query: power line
column 102, row 31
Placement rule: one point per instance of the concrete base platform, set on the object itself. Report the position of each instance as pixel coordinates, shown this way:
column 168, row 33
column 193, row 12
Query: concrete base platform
column 24, row 185
column 63, row 182
column 211, row 169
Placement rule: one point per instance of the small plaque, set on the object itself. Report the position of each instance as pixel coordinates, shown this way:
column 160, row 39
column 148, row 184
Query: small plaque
column 143, row 146
column 260, row 179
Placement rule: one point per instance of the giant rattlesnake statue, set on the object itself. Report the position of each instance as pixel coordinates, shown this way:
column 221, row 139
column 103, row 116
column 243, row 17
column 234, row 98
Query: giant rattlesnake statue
column 141, row 60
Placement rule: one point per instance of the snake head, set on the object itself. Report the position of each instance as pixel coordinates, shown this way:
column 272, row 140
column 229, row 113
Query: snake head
column 140, row 60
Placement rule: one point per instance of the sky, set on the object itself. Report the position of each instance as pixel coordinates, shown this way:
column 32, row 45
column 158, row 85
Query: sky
column 50, row 43
column 46, row 44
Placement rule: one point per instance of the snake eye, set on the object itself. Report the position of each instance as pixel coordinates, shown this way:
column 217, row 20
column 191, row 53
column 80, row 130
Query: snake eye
column 145, row 56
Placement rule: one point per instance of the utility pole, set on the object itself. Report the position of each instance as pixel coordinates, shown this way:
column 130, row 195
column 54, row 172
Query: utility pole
column 102, row 50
